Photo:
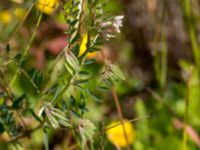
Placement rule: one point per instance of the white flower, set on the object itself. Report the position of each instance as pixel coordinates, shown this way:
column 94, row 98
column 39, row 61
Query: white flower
column 110, row 36
column 106, row 24
column 117, row 23
column 112, row 27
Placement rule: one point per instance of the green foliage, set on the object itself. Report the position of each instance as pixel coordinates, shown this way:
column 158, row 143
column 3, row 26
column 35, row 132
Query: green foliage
column 63, row 89
column 7, row 122
column 51, row 99
column 87, row 130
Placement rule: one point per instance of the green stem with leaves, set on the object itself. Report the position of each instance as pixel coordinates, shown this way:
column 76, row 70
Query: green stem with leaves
column 28, row 47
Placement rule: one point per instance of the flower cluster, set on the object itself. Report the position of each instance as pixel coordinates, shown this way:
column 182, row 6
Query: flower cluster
column 112, row 27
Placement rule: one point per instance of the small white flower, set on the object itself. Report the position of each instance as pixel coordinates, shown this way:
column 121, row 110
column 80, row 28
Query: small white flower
column 112, row 27
column 108, row 36
column 106, row 24
column 117, row 23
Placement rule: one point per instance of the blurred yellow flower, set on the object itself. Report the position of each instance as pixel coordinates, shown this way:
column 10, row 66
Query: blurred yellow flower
column 83, row 47
column 47, row 6
column 5, row 17
column 115, row 133
column 19, row 12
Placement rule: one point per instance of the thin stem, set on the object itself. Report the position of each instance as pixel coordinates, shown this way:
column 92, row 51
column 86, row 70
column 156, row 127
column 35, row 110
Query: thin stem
column 34, row 33
column 28, row 47
column 26, row 133
column 114, row 93
column 22, row 22
column 31, row 81
column 132, row 120
column 192, row 35
column 7, row 62
column 164, row 61
column 185, row 137
column 14, row 77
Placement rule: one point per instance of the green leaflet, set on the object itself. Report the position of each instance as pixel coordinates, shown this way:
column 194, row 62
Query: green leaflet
column 71, row 63
column 86, row 130
column 117, row 72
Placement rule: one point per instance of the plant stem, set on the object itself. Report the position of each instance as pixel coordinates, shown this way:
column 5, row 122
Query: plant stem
column 28, row 47
column 34, row 33
column 132, row 120
column 163, row 61
column 193, row 39
column 114, row 93
column 14, row 78
column 186, row 110
column 26, row 133
column 22, row 22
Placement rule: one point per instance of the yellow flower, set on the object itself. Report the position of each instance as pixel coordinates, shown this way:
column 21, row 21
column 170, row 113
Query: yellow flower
column 47, row 6
column 115, row 133
column 83, row 47
column 5, row 17
column 19, row 12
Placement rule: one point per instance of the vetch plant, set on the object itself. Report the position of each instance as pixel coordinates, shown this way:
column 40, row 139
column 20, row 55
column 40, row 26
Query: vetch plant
column 66, row 85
